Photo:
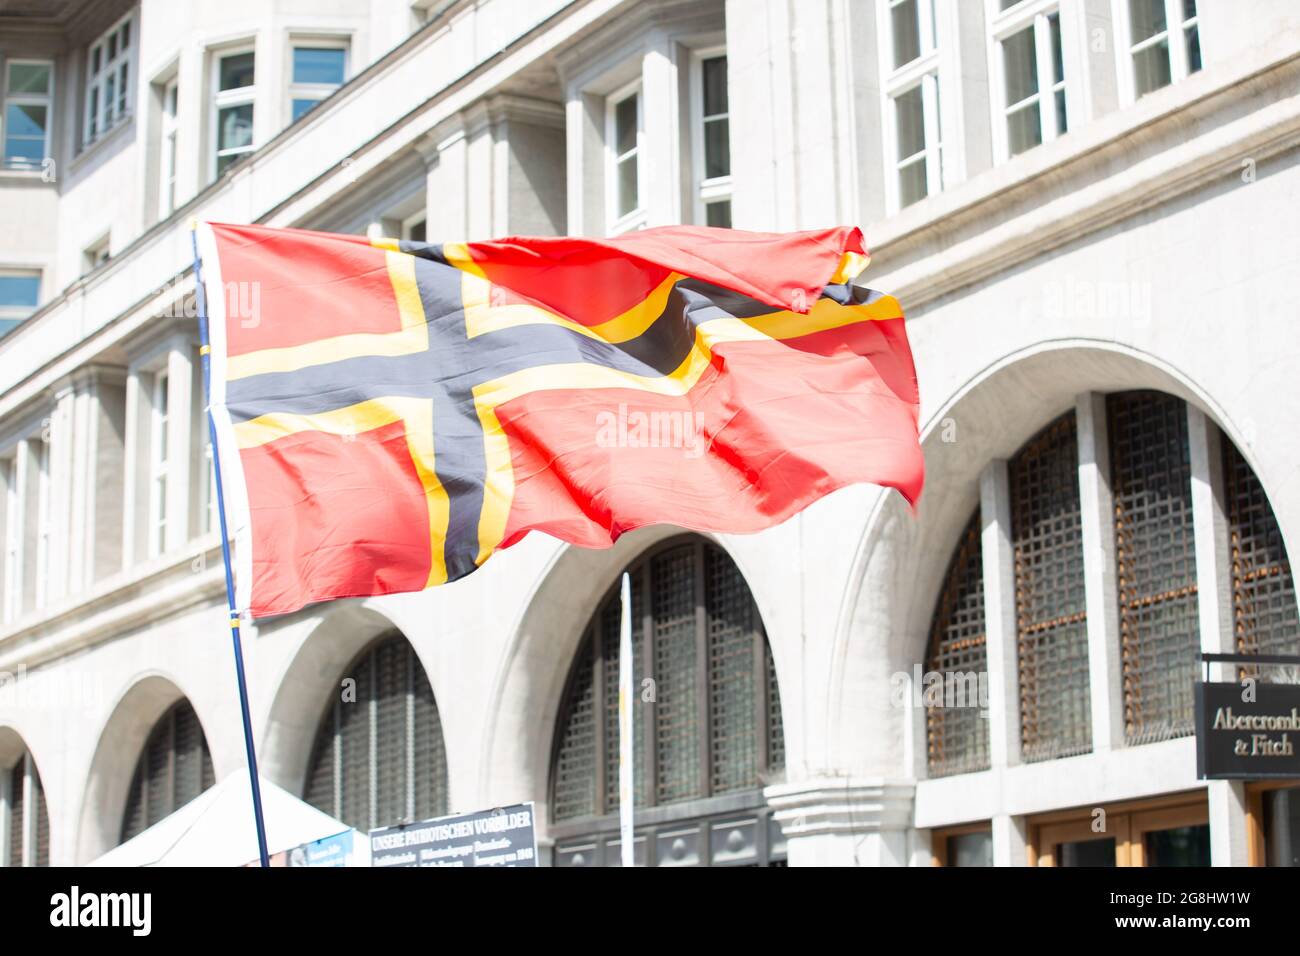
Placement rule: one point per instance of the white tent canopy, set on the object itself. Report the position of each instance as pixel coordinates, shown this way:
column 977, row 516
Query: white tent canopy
column 217, row 829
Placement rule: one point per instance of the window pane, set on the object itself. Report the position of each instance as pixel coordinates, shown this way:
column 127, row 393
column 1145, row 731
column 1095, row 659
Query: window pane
column 122, row 88
column 1061, row 117
column 25, row 121
column 236, row 71
column 1181, row 846
column 126, row 34
column 625, row 125
column 235, row 127
column 29, row 78
column 1151, row 68
column 302, row 106
column 94, row 60
column 1147, row 18
column 718, row 214
column 715, row 86
column 316, row 65
column 1024, row 129
column 112, row 47
column 1020, row 66
column 910, row 118
column 1087, row 853
column 906, row 25
column 912, row 185
column 1193, row 36
column 19, row 290
column 717, row 148
column 627, row 186
column 1058, row 59
column 1189, row 9
column 972, row 849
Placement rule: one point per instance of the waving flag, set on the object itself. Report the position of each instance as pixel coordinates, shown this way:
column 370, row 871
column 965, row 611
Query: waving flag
column 391, row 413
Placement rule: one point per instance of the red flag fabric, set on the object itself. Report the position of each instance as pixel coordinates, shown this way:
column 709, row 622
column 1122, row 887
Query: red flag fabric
column 391, row 413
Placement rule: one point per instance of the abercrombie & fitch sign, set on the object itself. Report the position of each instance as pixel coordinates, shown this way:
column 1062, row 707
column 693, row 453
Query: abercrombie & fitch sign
column 1247, row 730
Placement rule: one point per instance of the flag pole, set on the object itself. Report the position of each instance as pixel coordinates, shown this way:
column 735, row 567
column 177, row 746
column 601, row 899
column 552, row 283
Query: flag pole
column 625, row 792
column 205, row 354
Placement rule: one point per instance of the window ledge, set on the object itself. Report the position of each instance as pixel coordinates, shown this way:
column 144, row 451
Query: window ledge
column 13, row 176
column 97, row 145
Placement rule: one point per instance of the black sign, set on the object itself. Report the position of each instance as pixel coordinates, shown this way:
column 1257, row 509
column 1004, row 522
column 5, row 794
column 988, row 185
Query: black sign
column 504, row 836
column 1247, row 730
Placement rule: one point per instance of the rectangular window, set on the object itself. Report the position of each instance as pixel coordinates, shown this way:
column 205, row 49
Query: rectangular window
column 108, row 80
column 40, row 450
column 20, row 292
column 233, row 109
column 29, row 89
column 911, row 87
column 318, row 70
column 208, row 496
column 158, row 466
column 95, row 255
column 13, row 543
column 1031, row 65
column 167, row 133
column 712, row 148
column 1164, row 42
column 624, row 136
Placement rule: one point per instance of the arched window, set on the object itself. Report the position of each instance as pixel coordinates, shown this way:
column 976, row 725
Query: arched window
column 378, row 759
column 956, row 731
column 174, row 768
column 1265, row 618
column 708, row 728
column 27, row 835
column 1051, row 621
column 1155, row 557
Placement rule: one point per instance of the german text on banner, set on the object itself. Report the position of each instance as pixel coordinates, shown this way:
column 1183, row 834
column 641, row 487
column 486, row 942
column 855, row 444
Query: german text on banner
column 390, row 413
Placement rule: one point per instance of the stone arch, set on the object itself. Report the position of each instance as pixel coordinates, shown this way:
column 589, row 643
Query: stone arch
column 900, row 563
column 528, row 690
column 120, row 741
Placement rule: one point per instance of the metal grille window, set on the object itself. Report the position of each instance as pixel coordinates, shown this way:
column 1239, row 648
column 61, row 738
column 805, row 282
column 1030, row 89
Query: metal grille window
column 957, row 735
column 379, row 759
column 174, row 768
column 1051, row 622
column 1151, row 477
column 1263, row 592
column 714, row 726
column 26, row 839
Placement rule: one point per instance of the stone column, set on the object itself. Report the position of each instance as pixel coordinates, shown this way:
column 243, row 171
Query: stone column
column 1101, row 598
column 1229, row 843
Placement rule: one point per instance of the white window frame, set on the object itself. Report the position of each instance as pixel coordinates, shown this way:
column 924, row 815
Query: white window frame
column 159, row 455
column 168, row 141
column 314, row 91
column 44, row 518
column 1125, row 48
column 636, row 218
column 413, row 220
column 15, row 488
column 1003, row 24
column 101, row 115
column 208, row 500
column 223, row 99
column 45, row 99
column 923, row 72
column 20, row 312
column 705, row 191
column 96, row 254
